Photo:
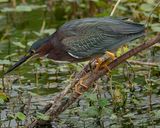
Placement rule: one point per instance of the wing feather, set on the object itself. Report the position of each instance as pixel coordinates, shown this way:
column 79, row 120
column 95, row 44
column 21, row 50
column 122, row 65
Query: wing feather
column 93, row 36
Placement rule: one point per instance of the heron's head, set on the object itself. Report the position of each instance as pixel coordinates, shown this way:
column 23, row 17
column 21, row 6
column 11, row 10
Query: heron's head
column 38, row 49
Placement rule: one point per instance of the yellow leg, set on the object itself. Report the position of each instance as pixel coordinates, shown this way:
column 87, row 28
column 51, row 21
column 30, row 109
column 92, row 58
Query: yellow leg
column 81, row 83
column 111, row 55
column 106, row 67
column 99, row 61
column 77, row 87
column 98, row 64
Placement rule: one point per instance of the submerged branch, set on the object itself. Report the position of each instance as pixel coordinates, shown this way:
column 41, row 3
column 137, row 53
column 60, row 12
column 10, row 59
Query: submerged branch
column 141, row 63
column 60, row 104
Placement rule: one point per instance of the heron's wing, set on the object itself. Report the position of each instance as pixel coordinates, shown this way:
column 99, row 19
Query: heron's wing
column 86, row 46
column 93, row 37
column 108, row 25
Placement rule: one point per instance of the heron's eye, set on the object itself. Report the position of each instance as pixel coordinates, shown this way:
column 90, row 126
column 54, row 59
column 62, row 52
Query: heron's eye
column 33, row 51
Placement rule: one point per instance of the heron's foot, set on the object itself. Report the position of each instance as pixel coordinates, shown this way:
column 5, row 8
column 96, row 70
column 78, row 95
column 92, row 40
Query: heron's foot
column 105, row 65
column 111, row 55
column 101, row 64
column 79, row 84
column 98, row 64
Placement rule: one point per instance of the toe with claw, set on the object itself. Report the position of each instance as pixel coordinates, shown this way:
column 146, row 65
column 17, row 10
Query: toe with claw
column 79, row 84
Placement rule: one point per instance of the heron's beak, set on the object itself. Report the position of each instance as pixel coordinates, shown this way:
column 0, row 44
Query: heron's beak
column 20, row 62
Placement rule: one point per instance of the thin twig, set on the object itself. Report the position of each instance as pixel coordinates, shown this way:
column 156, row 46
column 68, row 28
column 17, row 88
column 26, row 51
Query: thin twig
column 143, row 63
column 115, row 6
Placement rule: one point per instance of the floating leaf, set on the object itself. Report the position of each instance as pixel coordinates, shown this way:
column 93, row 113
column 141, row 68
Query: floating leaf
column 11, row 55
column 71, row 0
column 146, row 7
column 157, row 113
column 1, row 1
column 1, row 101
column 113, row 117
column 30, row 42
column 91, row 97
column 20, row 116
column 155, row 27
column 150, row 1
column 3, row 96
column 49, row 31
column 19, row 44
column 37, row 33
column 129, row 115
column 2, row 22
column 92, row 111
column 102, row 102
column 42, row 116
column 5, row 62
column 8, row 9
column 1, row 86
column 37, row 6
column 95, row 0
column 23, row 8
column 106, row 111
column 10, row 116
column 148, row 15
column 122, row 8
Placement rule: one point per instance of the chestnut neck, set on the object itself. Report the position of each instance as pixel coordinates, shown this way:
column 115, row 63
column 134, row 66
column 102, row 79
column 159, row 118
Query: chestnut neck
column 45, row 48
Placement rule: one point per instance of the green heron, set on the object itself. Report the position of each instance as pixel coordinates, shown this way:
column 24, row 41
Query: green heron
column 84, row 39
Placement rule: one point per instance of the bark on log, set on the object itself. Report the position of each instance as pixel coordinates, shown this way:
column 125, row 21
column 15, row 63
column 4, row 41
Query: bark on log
column 59, row 104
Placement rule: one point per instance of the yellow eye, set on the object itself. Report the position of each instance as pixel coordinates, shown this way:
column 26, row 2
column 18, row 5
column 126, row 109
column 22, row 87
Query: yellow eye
column 33, row 51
